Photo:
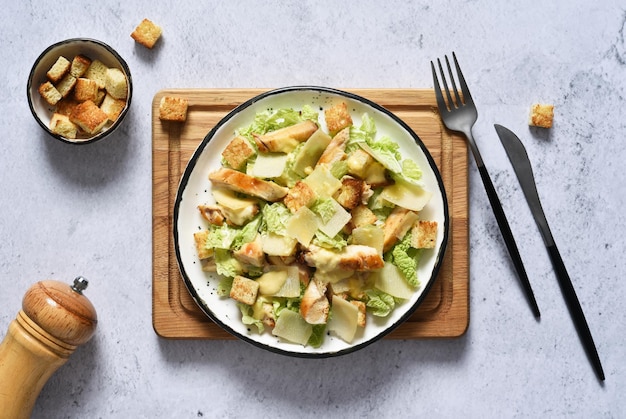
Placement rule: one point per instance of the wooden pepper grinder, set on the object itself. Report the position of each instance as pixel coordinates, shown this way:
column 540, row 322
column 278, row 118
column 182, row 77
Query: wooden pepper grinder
column 55, row 319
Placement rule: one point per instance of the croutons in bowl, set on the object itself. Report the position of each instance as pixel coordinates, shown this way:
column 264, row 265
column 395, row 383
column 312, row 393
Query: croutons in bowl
column 310, row 222
column 79, row 90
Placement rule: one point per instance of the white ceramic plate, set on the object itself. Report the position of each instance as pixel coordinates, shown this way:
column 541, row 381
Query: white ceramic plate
column 195, row 189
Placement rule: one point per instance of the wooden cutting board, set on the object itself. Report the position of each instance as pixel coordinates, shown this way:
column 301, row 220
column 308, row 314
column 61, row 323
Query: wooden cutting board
column 445, row 310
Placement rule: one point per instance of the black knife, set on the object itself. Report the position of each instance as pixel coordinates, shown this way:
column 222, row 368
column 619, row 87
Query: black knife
column 524, row 172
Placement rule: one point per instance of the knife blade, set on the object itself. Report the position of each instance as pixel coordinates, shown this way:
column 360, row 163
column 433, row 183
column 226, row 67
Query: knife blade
column 518, row 156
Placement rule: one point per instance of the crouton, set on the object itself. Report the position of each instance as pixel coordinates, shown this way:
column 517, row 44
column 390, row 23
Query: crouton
column 116, row 84
column 301, row 195
column 66, row 106
column 237, row 152
column 89, row 117
column 173, row 109
column 61, row 124
column 147, row 33
column 79, row 65
column 66, row 84
column 244, row 290
column 541, row 115
column 82, row 82
column 200, row 238
column 85, row 89
column 337, row 118
column 424, row 234
column 362, row 216
column 100, row 97
column 97, row 71
column 50, row 93
column 59, row 69
column 360, row 305
column 112, row 107
column 349, row 195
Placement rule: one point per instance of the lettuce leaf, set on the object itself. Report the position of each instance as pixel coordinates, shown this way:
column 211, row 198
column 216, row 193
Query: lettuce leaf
column 406, row 259
column 221, row 237
column 227, row 237
column 339, row 169
column 247, row 233
column 283, row 118
column 226, row 264
column 280, row 304
column 364, row 133
column 382, row 149
column 386, row 152
column 289, row 178
column 380, row 304
column 410, row 170
column 324, row 208
column 247, row 319
column 317, row 337
column 275, row 217
column 224, row 286
column 308, row 112
column 322, row 240
column 270, row 121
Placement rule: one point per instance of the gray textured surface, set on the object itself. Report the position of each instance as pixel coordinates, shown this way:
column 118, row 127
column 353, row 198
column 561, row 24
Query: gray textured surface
column 70, row 210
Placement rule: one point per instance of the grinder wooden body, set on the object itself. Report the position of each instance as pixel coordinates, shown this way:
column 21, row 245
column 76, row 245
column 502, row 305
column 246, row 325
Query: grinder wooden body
column 55, row 319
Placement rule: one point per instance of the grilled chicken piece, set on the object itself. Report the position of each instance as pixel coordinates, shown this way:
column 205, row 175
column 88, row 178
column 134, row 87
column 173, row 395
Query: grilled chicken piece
column 397, row 225
column 251, row 253
column 314, row 306
column 213, row 214
column 284, row 140
column 354, row 257
column 249, row 185
column 217, row 214
column 336, row 149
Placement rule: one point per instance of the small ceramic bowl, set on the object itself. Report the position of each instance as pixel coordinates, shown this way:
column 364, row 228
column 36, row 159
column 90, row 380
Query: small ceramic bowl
column 70, row 48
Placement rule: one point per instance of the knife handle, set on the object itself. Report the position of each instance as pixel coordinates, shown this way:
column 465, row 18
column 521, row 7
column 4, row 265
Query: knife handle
column 508, row 237
column 575, row 309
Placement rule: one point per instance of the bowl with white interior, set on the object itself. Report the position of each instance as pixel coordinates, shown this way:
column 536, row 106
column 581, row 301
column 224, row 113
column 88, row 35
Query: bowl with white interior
column 94, row 51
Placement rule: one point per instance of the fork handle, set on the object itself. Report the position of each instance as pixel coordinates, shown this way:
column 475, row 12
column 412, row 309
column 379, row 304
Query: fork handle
column 508, row 236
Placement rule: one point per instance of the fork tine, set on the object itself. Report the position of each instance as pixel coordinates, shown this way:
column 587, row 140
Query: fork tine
column 451, row 104
column 456, row 91
column 441, row 103
column 467, row 97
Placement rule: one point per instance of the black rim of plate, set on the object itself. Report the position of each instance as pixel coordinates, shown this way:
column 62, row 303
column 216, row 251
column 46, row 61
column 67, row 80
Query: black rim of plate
column 120, row 118
column 192, row 163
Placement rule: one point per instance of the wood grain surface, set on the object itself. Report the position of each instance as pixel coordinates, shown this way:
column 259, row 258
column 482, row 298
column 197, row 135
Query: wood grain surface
column 445, row 310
